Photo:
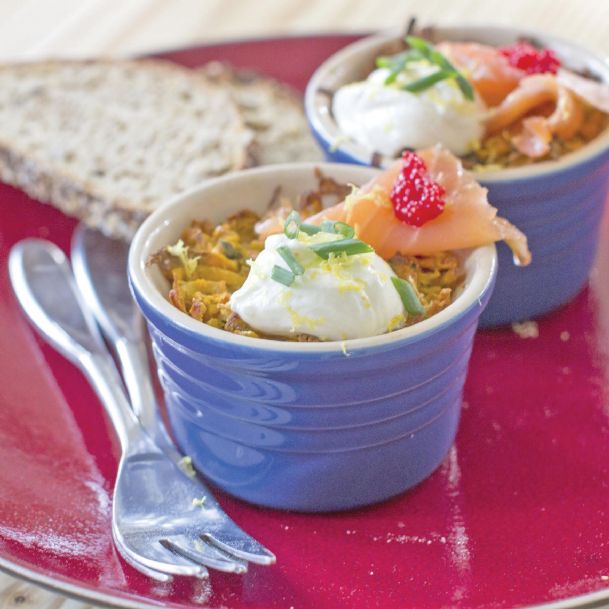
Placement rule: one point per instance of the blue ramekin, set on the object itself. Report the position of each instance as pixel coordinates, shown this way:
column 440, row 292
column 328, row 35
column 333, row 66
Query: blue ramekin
column 305, row 426
column 557, row 204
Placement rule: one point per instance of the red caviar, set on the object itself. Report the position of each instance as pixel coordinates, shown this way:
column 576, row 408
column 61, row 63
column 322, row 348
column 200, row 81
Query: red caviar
column 531, row 60
column 416, row 198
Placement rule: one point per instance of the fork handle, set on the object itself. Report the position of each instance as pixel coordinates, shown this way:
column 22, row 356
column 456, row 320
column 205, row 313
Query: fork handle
column 44, row 285
column 134, row 363
column 99, row 266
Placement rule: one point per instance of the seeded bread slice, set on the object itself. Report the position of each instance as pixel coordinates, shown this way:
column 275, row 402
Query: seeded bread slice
column 110, row 141
column 273, row 111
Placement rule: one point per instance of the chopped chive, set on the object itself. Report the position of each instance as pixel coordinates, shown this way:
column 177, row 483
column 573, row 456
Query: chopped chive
column 344, row 229
column 309, row 229
column 282, row 275
column 465, row 86
column 229, row 250
column 429, row 52
column 393, row 76
column 440, row 60
column 338, row 228
column 420, row 44
column 289, row 259
column 427, row 81
column 397, row 63
column 292, row 225
column 350, row 247
column 436, row 57
column 409, row 297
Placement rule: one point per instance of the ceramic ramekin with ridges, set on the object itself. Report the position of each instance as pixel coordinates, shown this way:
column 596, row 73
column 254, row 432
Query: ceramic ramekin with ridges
column 557, row 204
column 305, row 426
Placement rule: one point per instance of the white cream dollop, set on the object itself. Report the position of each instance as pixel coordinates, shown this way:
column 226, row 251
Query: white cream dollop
column 387, row 119
column 337, row 299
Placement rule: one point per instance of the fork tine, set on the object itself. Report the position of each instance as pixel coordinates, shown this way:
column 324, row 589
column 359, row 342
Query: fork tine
column 242, row 546
column 163, row 560
column 153, row 573
column 204, row 554
column 183, row 567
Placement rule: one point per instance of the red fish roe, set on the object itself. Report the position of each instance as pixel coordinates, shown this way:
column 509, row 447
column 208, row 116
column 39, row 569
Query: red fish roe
column 527, row 58
column 416, row 198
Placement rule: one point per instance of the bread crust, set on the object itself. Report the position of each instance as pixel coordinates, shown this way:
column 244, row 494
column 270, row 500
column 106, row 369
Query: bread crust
column 68, row 195
column 272, row 110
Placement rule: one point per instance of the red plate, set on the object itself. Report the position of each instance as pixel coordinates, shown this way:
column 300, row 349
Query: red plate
column 516, row 516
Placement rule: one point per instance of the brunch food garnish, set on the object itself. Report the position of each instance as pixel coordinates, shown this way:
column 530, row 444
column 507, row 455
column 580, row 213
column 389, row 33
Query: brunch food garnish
column 383, row 258
column 494, row 107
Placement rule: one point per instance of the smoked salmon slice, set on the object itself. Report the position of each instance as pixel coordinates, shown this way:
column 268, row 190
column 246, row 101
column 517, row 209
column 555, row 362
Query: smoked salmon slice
column 489, row 72
column 534, row 138
column 468, row 220
column 533, row 92
column 513, row 96
column 591, row 91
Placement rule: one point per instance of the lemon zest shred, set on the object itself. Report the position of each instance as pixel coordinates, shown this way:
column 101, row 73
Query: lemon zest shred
column 302, row 320
column 180, row 250
column 396, row 322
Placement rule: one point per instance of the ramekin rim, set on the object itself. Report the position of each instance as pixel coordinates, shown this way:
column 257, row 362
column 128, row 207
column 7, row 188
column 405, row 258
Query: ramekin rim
column 480, row 282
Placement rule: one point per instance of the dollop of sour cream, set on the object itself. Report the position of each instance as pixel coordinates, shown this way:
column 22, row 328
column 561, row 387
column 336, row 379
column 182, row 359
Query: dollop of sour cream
column 341, row 298
column 387, row 119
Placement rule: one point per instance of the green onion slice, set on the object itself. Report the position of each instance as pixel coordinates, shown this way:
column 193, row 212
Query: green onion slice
column 229, row 250
column 409, row 297
column 440, row 60
column 397, row 63
column 290, row 260
column 426, row 82
column 292, row 224
column 309, row 229
column 282, row 275
column 347, row 231
column 350, row 247
column 338, row 228
column 327, row 226
column 465, row 86
column 420, row 44
column 393, row 75
column 427, row 51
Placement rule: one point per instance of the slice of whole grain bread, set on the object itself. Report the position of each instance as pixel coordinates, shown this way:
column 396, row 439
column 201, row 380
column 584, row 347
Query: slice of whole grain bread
column 272, row 110
column 109, row 141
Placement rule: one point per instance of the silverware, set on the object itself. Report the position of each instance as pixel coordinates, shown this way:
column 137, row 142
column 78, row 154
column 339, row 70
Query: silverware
column 100, row 269
column 159, row 518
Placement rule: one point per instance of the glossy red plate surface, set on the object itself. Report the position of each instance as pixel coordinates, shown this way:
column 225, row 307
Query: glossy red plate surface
column 516, row 516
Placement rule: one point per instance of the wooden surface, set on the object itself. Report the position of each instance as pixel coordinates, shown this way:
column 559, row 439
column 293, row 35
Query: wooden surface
column 31, row 29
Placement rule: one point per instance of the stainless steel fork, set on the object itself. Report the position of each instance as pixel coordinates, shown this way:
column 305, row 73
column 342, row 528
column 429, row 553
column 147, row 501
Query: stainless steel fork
column 100, row 269
column 160, row 519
